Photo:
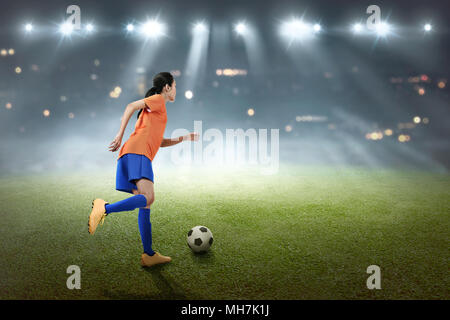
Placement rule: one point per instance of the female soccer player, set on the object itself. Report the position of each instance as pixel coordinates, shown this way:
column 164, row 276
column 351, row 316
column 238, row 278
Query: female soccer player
column 134, row 165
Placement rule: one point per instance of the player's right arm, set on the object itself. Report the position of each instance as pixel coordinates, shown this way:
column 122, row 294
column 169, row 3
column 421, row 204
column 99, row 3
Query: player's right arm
column 129, row 110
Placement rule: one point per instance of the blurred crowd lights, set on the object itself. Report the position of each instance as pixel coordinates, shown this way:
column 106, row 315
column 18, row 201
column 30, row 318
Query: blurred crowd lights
column 175, row 73
column 115, row 93
column 419, row 78
column 231, row 72
column 311, row 118
column 404, row 138
column 418, row 120
column 421, row 91
column 423, row 78
column 46, row 113
column 415, row 121
column 6, row 52
column 377, row 135
column 441, row 84
column 406, row 125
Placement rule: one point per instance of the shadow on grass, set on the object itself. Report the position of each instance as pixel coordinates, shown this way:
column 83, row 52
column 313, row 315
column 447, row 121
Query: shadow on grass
column 168, row 288
column 205, row 258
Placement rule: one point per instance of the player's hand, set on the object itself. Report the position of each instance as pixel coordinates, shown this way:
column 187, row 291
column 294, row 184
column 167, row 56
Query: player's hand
column 193, row 136
column 115, row 144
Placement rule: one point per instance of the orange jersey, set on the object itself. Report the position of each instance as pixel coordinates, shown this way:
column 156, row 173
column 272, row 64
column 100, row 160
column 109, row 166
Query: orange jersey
column 149, row 129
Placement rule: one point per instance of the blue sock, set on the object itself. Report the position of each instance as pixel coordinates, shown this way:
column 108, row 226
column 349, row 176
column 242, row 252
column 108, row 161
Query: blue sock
column 145, row 228
column 131, row 203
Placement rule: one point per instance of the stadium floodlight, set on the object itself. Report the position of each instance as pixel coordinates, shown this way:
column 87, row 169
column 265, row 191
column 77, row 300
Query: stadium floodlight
column 382, row 28
column 66, row 28
column 240, row 28
column 189, row 94
column 28, row 27
column 357, row 27
column 296, row 29
column 130, row 27
column 89, row 27
column 152, row 29
column 317, row 27
column 427, row 27
column 200, row 27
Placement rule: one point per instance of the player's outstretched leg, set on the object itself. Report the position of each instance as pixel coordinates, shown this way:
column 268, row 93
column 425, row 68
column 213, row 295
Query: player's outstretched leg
column 101, row 208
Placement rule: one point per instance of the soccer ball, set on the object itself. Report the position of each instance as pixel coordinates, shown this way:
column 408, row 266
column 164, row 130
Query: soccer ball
column 199, row 239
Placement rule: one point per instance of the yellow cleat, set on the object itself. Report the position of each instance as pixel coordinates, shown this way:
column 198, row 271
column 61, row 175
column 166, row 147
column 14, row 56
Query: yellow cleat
column 97, row 215
column 148, row 261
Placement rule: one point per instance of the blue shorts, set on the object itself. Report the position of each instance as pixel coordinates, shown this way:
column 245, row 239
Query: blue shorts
column 131, row 167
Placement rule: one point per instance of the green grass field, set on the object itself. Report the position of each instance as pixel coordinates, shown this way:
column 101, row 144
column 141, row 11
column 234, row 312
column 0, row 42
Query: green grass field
column 305, row 233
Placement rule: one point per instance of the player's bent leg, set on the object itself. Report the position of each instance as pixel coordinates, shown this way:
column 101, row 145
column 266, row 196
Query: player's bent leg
column 101, row 208
column 128, row 204
column 146, row 188
column 97, row 215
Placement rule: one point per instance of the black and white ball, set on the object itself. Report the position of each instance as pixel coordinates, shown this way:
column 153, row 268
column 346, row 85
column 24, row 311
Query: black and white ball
column 199, row 239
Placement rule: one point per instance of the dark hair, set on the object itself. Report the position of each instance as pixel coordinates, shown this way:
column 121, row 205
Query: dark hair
column 159, row 81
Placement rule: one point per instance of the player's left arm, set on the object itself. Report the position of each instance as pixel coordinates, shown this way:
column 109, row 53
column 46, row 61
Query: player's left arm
column 170, row 142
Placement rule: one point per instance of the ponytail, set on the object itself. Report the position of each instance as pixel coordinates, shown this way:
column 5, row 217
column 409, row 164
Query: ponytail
column 159, row 81
column 151, row 92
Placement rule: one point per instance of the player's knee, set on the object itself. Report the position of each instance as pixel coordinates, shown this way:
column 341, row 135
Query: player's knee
column 150, row 199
